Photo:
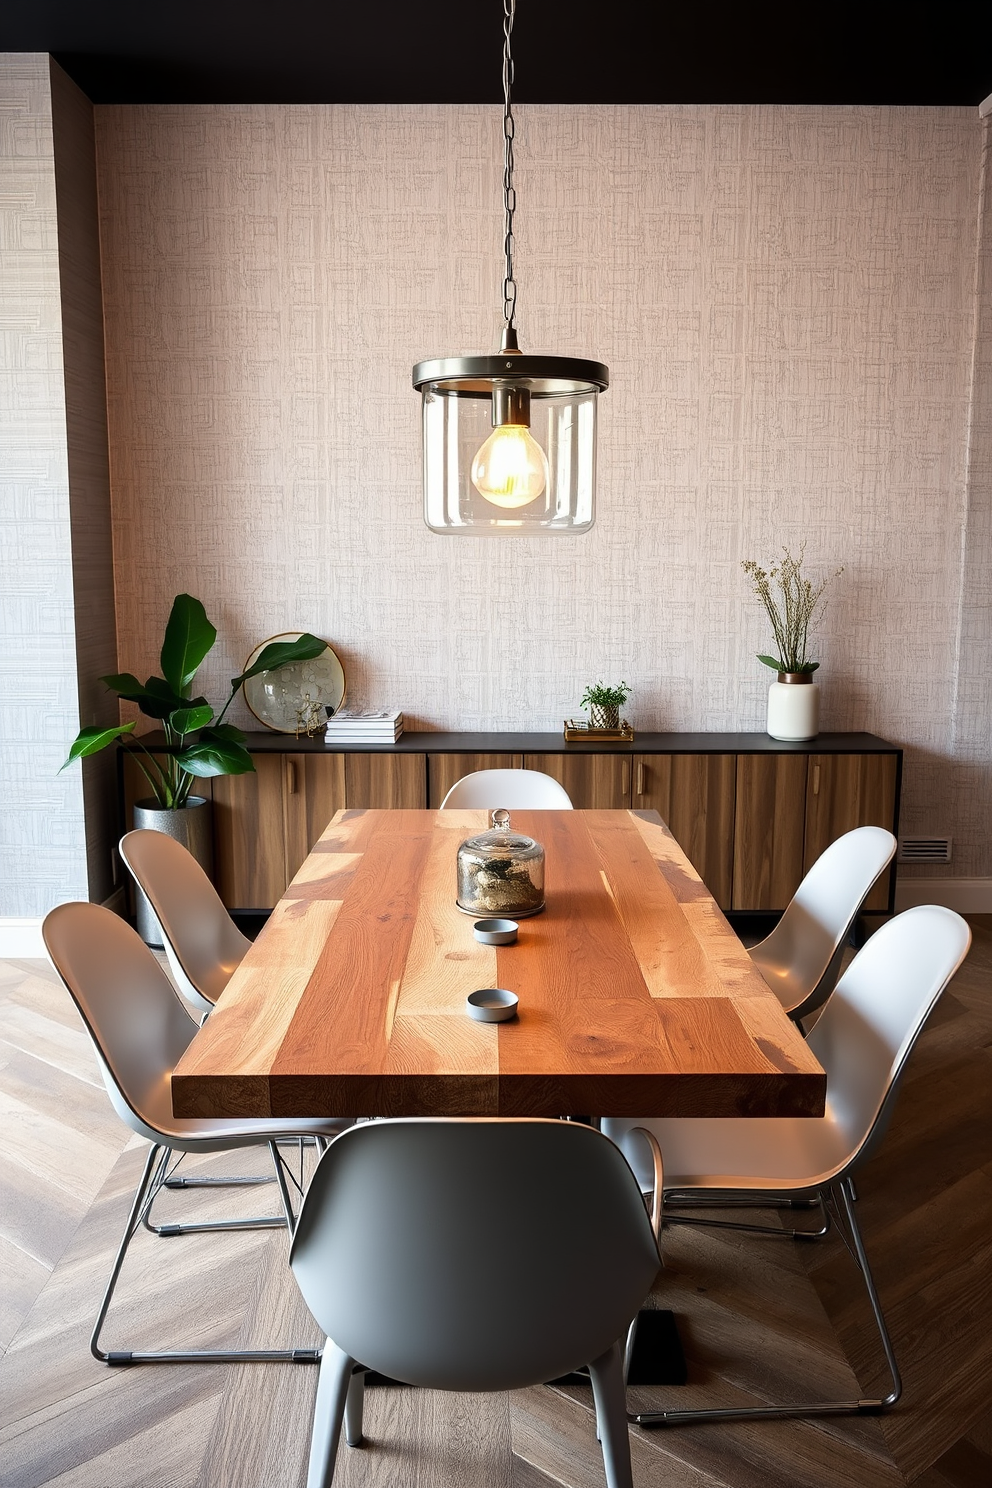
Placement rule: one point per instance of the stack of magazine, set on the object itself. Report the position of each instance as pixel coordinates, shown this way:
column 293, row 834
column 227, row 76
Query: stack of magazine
column 347, row 727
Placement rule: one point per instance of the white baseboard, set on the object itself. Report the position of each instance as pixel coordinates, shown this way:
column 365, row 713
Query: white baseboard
column 966, row 895
column 21, row 940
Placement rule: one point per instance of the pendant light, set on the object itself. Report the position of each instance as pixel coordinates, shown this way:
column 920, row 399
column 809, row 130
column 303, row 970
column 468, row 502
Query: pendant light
column 509, row 439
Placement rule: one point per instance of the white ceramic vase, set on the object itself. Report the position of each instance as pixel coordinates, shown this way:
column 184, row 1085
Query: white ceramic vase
column 793, row 707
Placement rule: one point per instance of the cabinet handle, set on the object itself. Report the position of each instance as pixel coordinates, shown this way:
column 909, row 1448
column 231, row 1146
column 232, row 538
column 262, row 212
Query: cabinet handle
column 640, row 777
column 625, row 779
column 291, row 777
column 816, row 780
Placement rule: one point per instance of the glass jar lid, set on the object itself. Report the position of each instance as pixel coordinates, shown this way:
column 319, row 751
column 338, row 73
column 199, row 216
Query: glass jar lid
column 501, row 839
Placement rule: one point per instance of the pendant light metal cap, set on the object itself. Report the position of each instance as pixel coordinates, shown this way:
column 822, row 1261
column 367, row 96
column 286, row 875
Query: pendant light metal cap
column 545, row 376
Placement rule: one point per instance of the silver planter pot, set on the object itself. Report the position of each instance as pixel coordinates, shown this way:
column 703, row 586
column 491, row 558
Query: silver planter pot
column 192, row 825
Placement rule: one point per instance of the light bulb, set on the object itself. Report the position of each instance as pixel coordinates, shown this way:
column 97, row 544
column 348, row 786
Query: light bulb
column 511, row 469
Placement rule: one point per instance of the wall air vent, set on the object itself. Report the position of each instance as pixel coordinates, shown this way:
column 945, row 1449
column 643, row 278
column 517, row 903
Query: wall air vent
column 924, row 850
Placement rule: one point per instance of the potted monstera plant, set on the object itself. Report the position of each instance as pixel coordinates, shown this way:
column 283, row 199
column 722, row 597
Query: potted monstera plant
column 198, row 741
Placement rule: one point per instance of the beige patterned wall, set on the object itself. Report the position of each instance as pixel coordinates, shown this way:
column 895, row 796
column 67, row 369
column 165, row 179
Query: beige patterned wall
column 786, row 301
column 971, row 743
column 42, row 835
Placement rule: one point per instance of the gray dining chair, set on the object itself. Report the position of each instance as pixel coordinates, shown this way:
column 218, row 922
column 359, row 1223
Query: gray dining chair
column 140, row 1027
column 863, row 1040
column 472, row 1254
column 801, row 958
column 202, row 944
column 516, row 790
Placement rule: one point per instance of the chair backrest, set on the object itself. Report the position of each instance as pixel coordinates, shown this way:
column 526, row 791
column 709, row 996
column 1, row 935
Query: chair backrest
column 474, row 1254
column 867, row 1030
column 138, row 1023
column 202, row 943
column 801, row 959
column 517, row 790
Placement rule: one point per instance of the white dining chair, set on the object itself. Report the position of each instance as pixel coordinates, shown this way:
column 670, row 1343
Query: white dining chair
column 203, row 945
column 863, row 1039
column 140, row 1027
column 801, row 958
column 472, row 1254
column 516, row 790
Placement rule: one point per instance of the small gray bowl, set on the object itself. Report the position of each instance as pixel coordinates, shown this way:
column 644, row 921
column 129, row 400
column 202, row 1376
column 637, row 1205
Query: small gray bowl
column 491, row 1005
column 496, row 932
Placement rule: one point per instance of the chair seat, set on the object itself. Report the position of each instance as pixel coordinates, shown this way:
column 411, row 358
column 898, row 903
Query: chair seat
column 221, row 1136
column 210, row 1134
column 762, row 1153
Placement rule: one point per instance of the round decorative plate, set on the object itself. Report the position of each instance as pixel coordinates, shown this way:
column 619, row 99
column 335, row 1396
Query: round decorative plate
column 281, row 698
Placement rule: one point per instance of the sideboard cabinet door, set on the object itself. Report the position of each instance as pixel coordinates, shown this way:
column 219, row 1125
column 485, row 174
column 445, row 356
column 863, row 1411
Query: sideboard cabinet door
column 769, row 829
column 695, row 795
column 313, row 789
column 845, row 791
column 249, row 850
column 385, row 781
column 595, row 782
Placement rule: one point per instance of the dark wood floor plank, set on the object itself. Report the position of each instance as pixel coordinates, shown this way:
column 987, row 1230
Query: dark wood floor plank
column 554, row 1432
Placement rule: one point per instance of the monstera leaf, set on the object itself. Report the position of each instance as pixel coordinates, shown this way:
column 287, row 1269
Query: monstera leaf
column 188, row 638
column 90, row 740
column 280, row 654
column 218, row 751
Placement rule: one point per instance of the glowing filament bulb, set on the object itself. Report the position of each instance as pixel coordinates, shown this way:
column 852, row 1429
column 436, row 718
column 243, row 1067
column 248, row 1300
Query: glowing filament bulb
column 511, row 468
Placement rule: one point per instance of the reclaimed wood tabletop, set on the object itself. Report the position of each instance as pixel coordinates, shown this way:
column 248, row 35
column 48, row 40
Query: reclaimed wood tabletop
column 636, row 997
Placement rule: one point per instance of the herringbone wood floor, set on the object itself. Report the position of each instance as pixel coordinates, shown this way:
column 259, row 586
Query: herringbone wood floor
column 759, row 1318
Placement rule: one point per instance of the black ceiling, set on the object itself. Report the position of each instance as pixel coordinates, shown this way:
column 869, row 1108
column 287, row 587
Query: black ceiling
column 923, row 52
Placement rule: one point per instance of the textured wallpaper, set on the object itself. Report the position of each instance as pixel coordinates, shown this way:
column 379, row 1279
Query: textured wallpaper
column 42, row 837
column 786, row 298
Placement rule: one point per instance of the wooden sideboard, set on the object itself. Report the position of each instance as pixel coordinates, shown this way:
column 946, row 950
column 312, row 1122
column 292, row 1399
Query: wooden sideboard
column 751, row 813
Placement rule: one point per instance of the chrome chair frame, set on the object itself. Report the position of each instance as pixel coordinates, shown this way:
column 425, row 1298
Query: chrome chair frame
column 139, row 1027
column 863, row 1039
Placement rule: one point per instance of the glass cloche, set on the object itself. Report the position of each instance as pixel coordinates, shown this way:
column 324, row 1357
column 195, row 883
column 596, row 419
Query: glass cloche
column 501, row 872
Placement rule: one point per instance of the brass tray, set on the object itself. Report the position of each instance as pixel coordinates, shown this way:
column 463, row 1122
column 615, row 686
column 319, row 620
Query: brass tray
column 576, row 730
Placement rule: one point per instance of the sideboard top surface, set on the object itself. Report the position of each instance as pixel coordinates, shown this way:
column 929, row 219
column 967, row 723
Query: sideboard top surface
column 266, row 742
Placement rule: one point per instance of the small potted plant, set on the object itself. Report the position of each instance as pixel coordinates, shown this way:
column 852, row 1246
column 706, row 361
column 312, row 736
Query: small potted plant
column 199, row 743
column 604, row 704
column 791, row 602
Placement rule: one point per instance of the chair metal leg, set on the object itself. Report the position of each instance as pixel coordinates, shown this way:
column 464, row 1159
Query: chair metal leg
column 842, row 1192
column 205, row 1227
column 686, row 1199
column 152, row 1178
column 333, row 1388
column 232, row 1182
column 606, row 1373
column 750, row 1229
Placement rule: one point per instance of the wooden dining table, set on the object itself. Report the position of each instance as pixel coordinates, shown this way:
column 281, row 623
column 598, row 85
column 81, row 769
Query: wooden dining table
column 636, row 998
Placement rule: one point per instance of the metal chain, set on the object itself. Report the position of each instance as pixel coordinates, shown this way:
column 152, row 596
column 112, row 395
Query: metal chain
column 509, row 195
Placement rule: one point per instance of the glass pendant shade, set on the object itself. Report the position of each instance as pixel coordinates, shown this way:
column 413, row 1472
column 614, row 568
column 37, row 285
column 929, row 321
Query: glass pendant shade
column 509, row 440
column 488, row 469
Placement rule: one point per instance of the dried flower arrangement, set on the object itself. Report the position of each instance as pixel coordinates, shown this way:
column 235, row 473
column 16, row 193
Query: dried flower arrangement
column 792, row 602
